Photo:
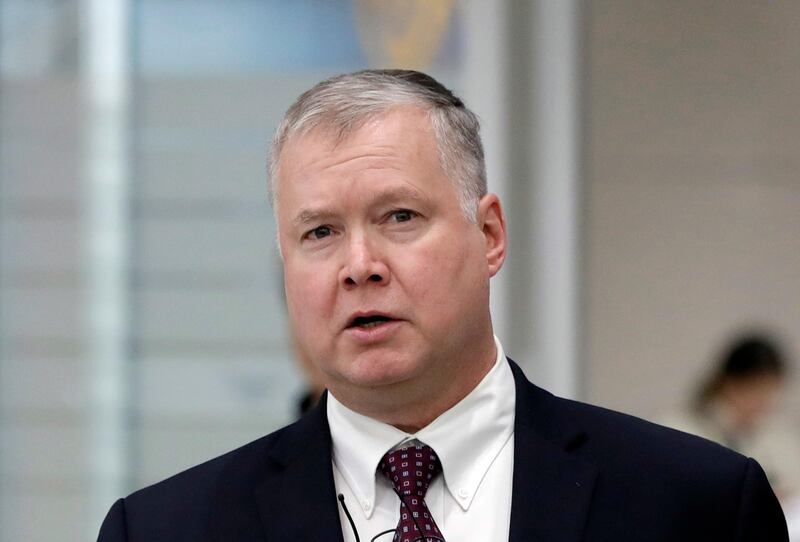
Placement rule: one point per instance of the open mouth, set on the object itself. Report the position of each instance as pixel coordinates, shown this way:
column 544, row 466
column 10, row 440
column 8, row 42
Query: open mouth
column 367, row 322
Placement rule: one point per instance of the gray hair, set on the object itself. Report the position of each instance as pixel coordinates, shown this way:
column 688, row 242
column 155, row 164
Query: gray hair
column 344, row 103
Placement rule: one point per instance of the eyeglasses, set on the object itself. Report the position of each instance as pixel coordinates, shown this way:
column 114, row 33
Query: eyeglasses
column 389, row 531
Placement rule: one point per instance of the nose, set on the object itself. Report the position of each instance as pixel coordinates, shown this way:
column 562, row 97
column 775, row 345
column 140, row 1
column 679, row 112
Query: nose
column 364, row 264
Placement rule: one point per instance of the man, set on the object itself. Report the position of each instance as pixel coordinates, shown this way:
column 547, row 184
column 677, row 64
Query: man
column 389, row 239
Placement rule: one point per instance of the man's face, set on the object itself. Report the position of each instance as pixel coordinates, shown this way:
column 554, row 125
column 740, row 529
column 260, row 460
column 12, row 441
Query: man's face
column 386, row 279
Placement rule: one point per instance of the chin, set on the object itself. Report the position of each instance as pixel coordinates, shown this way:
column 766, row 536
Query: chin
column 376, row 372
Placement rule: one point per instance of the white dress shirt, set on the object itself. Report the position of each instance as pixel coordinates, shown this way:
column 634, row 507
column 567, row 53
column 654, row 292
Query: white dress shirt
column 470, row 500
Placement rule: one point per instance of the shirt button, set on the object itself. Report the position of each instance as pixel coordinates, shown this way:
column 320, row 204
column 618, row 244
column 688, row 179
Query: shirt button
column 366, row 504
column 463, row 493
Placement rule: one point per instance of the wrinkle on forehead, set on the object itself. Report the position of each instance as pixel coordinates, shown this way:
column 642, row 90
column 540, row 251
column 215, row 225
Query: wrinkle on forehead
column 312, row 214
column 362, row 157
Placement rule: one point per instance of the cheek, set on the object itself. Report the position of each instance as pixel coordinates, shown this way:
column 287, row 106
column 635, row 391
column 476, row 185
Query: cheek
column 306, row 298
column 443, row 273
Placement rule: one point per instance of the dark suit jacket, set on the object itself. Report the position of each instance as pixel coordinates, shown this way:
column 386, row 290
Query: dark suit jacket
column 580, row 473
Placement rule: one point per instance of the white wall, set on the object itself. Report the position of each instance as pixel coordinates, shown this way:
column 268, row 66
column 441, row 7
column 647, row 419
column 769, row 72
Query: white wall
column 692, row 210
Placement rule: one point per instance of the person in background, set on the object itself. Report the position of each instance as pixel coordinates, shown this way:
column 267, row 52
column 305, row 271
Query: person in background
column 735, row 404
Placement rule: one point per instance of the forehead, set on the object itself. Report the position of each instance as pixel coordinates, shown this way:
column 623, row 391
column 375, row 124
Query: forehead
column 400, row 128
column 400, row 143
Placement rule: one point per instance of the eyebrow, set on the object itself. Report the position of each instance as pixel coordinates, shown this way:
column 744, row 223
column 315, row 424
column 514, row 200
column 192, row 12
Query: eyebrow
column 307, row 216
column 313, row 215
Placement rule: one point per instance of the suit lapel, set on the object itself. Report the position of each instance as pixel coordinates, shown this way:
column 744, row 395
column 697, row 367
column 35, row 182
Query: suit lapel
column 298, row 500
column 552, row 485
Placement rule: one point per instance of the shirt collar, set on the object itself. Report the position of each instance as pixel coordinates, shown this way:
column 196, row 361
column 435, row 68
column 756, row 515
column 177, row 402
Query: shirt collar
column 467, row 437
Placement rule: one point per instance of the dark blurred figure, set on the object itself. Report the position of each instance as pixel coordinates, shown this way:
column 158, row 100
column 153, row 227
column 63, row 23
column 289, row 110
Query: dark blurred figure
column 735, row 405
column 742, row 390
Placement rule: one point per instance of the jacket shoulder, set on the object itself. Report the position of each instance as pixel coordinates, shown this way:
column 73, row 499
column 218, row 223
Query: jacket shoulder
column 204, row 476
column 644, row 467
column 629, row 442
column 186, row 506
column 612, row 438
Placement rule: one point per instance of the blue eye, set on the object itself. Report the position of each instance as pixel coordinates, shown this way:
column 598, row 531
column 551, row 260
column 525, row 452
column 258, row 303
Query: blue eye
column 319, row 232
column 403, row 215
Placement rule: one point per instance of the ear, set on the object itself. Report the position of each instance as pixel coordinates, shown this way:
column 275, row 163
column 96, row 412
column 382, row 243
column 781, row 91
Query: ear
column 492, row 224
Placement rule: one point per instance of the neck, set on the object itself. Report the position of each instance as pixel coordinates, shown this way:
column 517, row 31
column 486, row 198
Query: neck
column 414, row 404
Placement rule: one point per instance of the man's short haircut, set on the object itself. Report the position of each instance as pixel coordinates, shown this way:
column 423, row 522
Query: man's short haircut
column 344, row 103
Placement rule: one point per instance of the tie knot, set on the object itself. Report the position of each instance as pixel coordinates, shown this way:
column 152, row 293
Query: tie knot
column 411, row 470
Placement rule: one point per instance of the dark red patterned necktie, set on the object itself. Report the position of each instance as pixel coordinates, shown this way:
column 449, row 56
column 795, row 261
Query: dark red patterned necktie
column 411, row 470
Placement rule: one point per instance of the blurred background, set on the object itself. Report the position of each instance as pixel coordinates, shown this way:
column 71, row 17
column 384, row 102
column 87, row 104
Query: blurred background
column 647, row 153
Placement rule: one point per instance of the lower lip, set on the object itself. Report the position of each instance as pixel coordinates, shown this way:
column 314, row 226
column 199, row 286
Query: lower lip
column 367, row 335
